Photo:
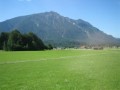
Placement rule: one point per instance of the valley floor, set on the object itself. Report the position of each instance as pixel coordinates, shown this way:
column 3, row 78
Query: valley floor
column 60, row 70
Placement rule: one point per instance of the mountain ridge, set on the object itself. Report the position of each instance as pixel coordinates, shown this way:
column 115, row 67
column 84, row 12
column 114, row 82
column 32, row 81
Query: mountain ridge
column 58, row 30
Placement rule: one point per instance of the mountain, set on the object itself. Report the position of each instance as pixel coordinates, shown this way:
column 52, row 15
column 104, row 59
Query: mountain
column 58, row 30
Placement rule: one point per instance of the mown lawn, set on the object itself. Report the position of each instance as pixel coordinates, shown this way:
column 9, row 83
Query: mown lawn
column 60, row 70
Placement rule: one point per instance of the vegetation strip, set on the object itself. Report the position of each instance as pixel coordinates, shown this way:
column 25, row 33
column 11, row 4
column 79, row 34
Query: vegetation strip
column 51, row 58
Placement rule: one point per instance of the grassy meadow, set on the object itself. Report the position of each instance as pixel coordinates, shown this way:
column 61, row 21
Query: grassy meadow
column 60, row 70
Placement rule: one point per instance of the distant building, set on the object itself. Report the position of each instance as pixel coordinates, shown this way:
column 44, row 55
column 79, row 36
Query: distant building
column 98, row 48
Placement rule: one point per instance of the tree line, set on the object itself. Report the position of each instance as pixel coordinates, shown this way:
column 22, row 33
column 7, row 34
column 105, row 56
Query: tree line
column 15, row 41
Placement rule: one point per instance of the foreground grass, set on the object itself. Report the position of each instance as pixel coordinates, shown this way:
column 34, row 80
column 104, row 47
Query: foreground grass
column 61, row 70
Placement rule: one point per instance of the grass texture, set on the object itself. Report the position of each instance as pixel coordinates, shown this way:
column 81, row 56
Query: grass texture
column 60, row 70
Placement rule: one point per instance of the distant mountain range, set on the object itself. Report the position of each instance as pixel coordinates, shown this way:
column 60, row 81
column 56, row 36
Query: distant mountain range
column 58, row 30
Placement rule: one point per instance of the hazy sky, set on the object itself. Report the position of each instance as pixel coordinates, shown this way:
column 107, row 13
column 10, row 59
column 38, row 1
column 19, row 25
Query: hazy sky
column 103, row 14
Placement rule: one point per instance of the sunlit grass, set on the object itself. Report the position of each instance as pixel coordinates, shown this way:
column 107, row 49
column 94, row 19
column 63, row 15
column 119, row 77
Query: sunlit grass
column 62, row 70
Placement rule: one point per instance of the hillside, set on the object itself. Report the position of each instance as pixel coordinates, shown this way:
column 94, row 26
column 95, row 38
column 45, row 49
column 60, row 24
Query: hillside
column 58, row 30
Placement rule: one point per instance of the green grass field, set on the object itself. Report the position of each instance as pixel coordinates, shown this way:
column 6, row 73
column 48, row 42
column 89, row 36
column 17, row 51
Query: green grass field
column 60, row 70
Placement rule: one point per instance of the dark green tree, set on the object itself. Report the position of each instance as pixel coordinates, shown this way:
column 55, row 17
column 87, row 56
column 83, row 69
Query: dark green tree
column 50, row 46
column 3, row 39
column 15, row 41
column 35, row 42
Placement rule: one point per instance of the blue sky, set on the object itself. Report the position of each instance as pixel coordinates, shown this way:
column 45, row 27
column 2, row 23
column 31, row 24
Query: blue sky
column 103, row 14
